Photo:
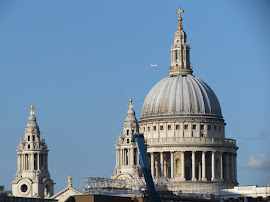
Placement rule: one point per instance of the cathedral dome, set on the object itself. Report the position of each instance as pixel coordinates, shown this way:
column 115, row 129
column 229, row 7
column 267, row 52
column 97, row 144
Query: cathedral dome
column 180, row 95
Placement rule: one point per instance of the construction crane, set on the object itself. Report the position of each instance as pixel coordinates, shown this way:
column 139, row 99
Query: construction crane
column 153, row 196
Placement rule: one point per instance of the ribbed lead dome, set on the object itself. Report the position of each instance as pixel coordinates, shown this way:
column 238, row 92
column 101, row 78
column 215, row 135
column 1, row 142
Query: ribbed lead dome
column 181, row 95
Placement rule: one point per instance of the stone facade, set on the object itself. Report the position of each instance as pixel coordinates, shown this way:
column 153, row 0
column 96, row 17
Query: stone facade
column 184, row 132
column 32, row 176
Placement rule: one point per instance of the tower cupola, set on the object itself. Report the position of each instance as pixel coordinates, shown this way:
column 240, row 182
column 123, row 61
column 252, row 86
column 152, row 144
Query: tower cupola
column 127, row 165
column 180, row 51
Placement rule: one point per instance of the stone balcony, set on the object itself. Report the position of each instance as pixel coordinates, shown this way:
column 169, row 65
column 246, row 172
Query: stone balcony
column 191, row 141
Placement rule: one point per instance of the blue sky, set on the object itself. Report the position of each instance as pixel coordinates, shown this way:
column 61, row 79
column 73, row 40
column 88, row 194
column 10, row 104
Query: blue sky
column 79, row 62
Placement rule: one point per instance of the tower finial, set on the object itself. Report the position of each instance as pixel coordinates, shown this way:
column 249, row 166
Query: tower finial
column 32, row 110
column 130, row 104
column 180, row 18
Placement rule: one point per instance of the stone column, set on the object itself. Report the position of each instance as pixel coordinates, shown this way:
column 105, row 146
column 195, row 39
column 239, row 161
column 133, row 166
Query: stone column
column 38, row 164
column 21, row 161
column 232, row 167
column 47, row 161
column 227, row 167
column 235, row 166
column 200, row 172
column 180, row 57
column 156, row 168
column 126, row 159
column 116, row 156
column 138, row 158
column 18, row 162
column 31, row 162
column 183, row 165
column 193, row 166
column 165, row 168
column 44, row 161
column 172, row 165
column 119, row 159
column 27, row 161
column 213, row 166
column 131, row 156
column 161, row 165
column 123, row 156
column 203, row 167
column 152, row 164
column 221, row 166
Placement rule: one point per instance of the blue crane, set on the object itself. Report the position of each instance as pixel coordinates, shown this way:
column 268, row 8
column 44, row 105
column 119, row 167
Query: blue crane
column 153, row 196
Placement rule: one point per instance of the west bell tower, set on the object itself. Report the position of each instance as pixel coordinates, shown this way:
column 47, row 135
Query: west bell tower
column 127, row 157
column 32, row 176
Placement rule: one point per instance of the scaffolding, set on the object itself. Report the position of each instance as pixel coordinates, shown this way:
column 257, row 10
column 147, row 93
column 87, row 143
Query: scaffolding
column 108, row 186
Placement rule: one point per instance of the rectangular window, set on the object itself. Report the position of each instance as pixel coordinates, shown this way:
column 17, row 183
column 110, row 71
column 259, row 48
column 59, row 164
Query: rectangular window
column 127, row 140
column 169, row 127
column 132, row 132
column 127, row 132
column 194, row 127
column 154, row 128
column 215, row 127
column 177, row 127
column 161, row 127
column 209, row 127
column 148, row 128
column 202, row 127
column 143, row 129
column 186, row 127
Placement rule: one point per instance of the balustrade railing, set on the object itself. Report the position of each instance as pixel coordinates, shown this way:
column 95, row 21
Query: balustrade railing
column 191, row 141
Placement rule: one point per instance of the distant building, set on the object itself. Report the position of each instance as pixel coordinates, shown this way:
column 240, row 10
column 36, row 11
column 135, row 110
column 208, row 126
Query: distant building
column 32, row 176
column 184, row 132
column 245, row 194
column 2, row 188
column 4, row 192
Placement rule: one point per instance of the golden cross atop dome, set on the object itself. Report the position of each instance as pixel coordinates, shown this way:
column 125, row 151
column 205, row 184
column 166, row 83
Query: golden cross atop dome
column 180, row 18
column 130, row 104
column 179, row 11
column 32, row 110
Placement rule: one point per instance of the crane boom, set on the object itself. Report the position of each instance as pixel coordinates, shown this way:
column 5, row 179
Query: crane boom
column 153, row 196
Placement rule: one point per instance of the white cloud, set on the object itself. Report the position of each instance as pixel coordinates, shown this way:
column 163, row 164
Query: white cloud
column 258, row 161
